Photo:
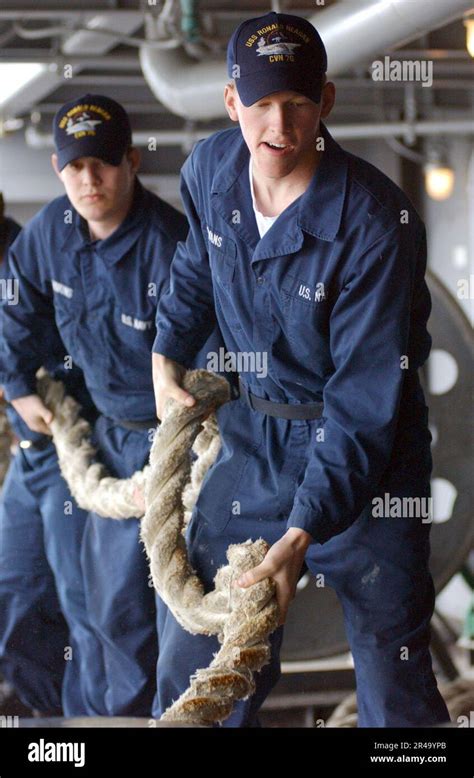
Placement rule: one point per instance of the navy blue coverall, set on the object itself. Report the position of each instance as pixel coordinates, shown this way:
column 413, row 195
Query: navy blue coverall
column 334, row 295
column 101, row 295
column 48, row 650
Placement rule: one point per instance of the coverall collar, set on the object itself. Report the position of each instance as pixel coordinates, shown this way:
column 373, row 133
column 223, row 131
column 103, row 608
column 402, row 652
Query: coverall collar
column 113, row 248
column 317, row 211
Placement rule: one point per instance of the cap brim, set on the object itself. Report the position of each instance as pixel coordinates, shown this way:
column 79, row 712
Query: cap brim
column 257, row 85
column 88, row 147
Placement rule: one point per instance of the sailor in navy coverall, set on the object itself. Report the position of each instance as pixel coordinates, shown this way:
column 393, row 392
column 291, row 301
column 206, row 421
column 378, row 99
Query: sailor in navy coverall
column 48, row 649
column 92, row 266
column 320, row 268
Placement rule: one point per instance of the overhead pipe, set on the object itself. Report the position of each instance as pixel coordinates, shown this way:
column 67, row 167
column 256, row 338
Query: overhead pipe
column 52, row 75
column 187, row 87
column 405, row 129
column 353, row 34
column 356, row 36
column 112, row 62
column 47, row 79
column 186, row 137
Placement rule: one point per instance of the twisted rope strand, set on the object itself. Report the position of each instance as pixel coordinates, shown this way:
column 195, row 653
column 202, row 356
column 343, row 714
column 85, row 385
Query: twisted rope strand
column 242, row 619
column 91, row 486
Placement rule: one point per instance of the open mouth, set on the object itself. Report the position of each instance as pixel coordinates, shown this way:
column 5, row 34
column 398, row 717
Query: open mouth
column 278, row 148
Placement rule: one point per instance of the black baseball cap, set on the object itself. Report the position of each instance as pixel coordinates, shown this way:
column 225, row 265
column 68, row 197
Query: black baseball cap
column 276, row 53
column 91, row 126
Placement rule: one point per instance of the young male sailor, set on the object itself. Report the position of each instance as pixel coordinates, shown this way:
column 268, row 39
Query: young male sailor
column 304, row 251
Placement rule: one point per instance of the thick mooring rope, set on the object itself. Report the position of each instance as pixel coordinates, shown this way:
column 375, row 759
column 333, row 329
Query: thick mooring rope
column 89, row 483
column 241, row 618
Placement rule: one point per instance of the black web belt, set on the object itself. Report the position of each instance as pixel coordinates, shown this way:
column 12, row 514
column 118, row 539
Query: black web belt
column 136, row 425
column 281, row 410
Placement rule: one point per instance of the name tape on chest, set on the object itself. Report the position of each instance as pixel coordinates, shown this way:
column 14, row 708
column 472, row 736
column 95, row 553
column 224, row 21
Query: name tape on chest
column 137, row 324
column 310, row 293
column 214, row 238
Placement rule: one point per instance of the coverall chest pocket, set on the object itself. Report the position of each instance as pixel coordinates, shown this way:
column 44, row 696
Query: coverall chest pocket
column 305, row 308
column 223, row 262
column 134, row 333
column 68, row 306
column 222, row 258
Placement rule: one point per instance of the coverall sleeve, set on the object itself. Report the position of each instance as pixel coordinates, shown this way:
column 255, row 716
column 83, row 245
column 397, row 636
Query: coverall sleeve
column 369, row 336
column 27, row 326
column 185, row 315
